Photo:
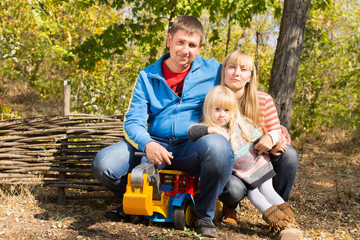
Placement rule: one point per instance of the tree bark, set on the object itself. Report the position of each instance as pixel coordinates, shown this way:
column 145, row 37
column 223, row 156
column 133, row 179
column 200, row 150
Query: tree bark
column 258, row 34
column 287, row 57
column 228, row 36
column 242, row 39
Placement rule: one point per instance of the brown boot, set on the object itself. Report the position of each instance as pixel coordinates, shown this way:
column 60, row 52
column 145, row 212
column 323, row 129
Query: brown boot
column 285, row 208
column 281, row 224
column 228, row 215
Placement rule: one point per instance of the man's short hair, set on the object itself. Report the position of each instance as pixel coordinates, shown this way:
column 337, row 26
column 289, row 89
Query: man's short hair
column 189, row 24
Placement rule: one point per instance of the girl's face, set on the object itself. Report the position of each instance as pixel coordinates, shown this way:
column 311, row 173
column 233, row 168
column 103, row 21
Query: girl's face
column 220, row 115
column 236, row 76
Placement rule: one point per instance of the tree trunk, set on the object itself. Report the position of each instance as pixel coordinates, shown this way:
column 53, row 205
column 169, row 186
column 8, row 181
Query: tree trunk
column 287, row 57
column 258, row 34
column 228, row 36
column 171, row 19
column 242, row 39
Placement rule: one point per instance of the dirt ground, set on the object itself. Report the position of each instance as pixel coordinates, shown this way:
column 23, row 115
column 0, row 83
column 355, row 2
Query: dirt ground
column 326, row 199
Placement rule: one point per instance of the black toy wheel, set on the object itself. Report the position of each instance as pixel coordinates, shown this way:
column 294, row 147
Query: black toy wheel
column 184, row 215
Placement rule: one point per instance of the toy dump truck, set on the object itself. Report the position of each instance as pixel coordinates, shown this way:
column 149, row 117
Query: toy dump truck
column 161, row 195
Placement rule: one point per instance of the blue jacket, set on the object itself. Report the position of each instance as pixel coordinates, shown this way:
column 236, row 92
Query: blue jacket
column 155, row 110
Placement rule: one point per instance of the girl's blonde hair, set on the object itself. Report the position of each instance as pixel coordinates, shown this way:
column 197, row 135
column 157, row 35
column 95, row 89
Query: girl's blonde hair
column 224, row 97
column 249, row 102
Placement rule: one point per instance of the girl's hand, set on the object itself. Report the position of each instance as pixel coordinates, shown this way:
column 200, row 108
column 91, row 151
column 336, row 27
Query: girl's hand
column 264, row 145
column 214, row 130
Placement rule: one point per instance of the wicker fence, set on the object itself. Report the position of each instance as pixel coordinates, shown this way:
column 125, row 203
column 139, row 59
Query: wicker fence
column 56, row 151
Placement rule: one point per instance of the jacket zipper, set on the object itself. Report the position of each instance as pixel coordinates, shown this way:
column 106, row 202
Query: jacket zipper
column 175, row 109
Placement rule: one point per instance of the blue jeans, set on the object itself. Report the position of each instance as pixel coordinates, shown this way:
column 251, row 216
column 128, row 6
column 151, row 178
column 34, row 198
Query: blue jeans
column 285, row 167
column 210, row 157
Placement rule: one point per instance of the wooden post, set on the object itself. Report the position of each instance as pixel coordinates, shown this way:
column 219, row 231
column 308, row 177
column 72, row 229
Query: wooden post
column 62, row 174
column 66, row 100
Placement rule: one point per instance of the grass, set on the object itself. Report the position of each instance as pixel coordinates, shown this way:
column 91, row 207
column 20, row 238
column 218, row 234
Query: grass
column 326, row 199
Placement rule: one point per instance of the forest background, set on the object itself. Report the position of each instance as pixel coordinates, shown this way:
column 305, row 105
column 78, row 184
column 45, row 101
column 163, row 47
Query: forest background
column 99, row 47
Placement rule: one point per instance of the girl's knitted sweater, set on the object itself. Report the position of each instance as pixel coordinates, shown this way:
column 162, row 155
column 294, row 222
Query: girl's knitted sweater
column 251, row 168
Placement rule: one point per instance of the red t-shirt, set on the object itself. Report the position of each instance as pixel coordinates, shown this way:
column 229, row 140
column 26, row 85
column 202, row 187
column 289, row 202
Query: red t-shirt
column 174, row 80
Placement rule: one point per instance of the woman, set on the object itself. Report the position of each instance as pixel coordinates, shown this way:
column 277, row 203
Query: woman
column 221, row 116
column 238, row 73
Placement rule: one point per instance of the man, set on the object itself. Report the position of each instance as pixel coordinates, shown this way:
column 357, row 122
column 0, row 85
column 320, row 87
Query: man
column 168, row 98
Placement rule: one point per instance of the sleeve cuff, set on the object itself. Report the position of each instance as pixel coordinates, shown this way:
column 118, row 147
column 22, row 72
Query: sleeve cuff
column 275, row 135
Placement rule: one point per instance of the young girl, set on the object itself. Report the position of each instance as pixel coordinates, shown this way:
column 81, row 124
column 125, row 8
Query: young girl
column 221, row 116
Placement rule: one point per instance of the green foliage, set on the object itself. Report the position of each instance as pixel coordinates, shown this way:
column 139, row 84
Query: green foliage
column 99, row 47
column 148, row 22
column 328, row 88
column 6, row 112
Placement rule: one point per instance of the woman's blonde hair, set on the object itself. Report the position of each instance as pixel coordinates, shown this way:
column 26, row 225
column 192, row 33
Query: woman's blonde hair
column 249, row 102
column 224, row 97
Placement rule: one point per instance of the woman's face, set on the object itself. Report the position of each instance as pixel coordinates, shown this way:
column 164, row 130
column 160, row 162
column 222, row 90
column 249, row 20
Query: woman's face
column 236, row 76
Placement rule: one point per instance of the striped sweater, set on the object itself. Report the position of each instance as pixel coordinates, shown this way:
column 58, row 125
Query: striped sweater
column 269, row 119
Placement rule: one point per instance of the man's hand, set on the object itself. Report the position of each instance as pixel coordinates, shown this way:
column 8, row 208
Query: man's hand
column 217, row 131
column 157, row 154
column 264, row 145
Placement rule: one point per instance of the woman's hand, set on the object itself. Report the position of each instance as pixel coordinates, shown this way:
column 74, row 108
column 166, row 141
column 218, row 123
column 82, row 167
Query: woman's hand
column 264, row 145
column 214, row 130
column 286, row 134
column 279, row 149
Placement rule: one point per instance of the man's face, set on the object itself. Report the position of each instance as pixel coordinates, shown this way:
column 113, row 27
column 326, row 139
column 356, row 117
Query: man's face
column 184, row 47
